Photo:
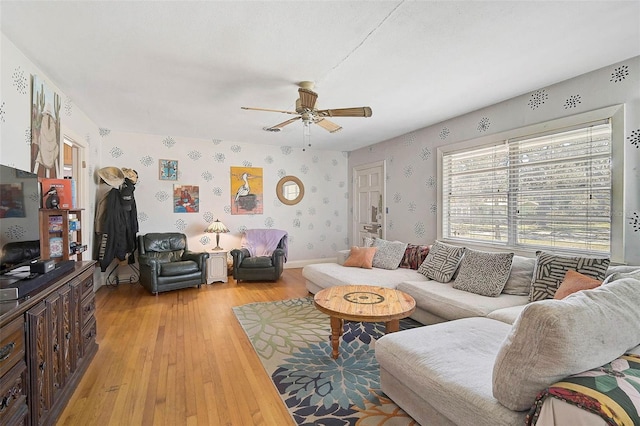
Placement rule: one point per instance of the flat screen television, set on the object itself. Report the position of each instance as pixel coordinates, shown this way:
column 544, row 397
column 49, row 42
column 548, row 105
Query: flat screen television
column 19, row 218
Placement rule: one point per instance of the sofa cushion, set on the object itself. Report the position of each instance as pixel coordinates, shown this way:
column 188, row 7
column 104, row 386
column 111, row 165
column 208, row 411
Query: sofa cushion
column 575, row 281
column 388, row 254
column 449, row 366
column 483, row 273
column 446, row 302
column 508, row 315
column 551, row 268
column 617, row 275
column 413, row 257
column 520, row 277
column 552, row 339
column 441, row 262
column 325, row 275
column 360, row 257
column 256, row 262
column 182, row 267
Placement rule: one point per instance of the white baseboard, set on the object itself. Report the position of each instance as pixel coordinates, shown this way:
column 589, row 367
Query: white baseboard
column 302, row 263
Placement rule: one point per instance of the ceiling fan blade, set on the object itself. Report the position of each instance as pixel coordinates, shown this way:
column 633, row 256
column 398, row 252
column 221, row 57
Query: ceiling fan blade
column 346, row 112
column 281, row 125
column 330, row 126
column 307, row 98
column 270, row 110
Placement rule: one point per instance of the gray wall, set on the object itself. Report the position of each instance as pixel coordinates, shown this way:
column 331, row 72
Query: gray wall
column 411, row 158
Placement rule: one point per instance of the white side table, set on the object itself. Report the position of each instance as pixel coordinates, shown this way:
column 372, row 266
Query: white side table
column 217, row 266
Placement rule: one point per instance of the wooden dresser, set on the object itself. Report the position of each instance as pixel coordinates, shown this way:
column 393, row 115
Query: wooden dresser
column 47, row 341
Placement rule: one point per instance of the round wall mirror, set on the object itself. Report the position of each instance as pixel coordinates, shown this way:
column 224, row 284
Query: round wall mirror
column 290, row 190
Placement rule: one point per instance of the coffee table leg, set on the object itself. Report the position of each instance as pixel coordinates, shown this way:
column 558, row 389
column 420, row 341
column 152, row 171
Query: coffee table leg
column 392, row 326
column 336, row 332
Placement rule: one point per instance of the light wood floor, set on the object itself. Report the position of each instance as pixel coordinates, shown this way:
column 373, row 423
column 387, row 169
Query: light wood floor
column 179, row 358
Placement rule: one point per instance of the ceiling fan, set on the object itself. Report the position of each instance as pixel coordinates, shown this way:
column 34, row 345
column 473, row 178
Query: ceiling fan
column 307, row 112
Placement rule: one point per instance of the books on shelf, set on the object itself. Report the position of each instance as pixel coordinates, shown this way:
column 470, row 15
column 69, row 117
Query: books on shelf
column 55, row 223
column 55, row 247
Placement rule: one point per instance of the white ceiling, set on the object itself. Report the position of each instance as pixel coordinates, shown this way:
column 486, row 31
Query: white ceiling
column 184, row 68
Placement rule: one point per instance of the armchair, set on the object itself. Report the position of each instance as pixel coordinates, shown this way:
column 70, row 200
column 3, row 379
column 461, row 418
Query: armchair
column 262, row 257
column 167, row 264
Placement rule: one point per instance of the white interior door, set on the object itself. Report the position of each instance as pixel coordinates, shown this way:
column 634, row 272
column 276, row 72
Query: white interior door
column 369, row 211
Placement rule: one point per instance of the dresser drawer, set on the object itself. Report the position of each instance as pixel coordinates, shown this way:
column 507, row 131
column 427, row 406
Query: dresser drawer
column 89, row 333
column 11, row 344
column 13, row 395
column 87, row 309
column 87, row 286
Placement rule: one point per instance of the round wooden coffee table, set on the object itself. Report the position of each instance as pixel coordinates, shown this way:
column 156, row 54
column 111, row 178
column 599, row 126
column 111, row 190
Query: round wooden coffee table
column 362, row 303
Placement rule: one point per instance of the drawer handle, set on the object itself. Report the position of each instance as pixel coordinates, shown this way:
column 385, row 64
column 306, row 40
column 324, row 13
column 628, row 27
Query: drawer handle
column 6, row 401
column 6, row 350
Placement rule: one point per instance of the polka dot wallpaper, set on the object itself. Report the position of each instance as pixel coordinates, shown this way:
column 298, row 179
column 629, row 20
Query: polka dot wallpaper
column 411, row 159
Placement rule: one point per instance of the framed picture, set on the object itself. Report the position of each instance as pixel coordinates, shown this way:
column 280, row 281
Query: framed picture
column 45, row 130
column 11, row 200
column 168, row 169
column 246, row 190
column 186, row 198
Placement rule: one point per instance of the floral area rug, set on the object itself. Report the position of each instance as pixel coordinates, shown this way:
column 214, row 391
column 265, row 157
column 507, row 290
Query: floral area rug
column 292, row 339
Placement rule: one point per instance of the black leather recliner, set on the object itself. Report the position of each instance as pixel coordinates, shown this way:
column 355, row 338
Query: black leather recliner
column 167, row 264
column 258, row 268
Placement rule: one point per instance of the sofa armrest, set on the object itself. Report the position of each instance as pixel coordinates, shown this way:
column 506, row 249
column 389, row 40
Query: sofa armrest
column 342, row 256
column 278, row 259
column 238, row 256
column 199, row 258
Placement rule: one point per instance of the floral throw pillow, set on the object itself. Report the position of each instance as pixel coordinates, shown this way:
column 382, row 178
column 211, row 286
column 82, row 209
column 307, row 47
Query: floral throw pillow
column 413, row 257
column 483, row 273
column 388, row 254
column 441, row 262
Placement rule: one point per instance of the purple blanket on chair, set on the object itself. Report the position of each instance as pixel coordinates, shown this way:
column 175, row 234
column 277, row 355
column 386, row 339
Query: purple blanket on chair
column 262, row 242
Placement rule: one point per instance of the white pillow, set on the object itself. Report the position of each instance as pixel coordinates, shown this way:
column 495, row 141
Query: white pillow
column 519, row 282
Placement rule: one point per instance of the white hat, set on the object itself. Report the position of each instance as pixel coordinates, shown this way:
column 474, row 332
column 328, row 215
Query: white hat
column 112, row 176
column 130, row 174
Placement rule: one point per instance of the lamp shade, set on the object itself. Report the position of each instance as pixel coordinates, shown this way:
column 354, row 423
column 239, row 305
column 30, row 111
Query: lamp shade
column 218, row 228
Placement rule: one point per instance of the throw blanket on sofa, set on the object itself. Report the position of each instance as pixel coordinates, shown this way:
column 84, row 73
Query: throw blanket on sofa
column 611, row 391
column 262, row 242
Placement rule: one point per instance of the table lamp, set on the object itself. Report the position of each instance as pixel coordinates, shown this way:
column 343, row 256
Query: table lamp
column 217, row 227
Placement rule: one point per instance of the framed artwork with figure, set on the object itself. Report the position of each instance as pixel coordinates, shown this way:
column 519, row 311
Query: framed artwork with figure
column 168, row 169
column 45, row 130
column 246, row 190
column 186, row 198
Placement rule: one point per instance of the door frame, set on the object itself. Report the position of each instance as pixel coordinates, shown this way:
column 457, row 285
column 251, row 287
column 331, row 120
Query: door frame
column 354, row 200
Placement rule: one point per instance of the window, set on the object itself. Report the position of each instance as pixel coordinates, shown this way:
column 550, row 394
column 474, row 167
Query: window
column 549, row 190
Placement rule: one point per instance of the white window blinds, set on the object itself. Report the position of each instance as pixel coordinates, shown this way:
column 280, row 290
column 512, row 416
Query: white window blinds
column 546, row 191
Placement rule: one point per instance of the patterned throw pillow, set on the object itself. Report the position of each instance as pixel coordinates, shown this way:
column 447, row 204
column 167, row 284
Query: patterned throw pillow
column 413, row 257
column 389, row 253
column 551, row 268
column 483, row 273
column 441, row 262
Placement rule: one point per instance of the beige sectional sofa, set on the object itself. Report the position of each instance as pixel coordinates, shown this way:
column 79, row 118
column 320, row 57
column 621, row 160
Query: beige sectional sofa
column 482, row 360
column 435, row 302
